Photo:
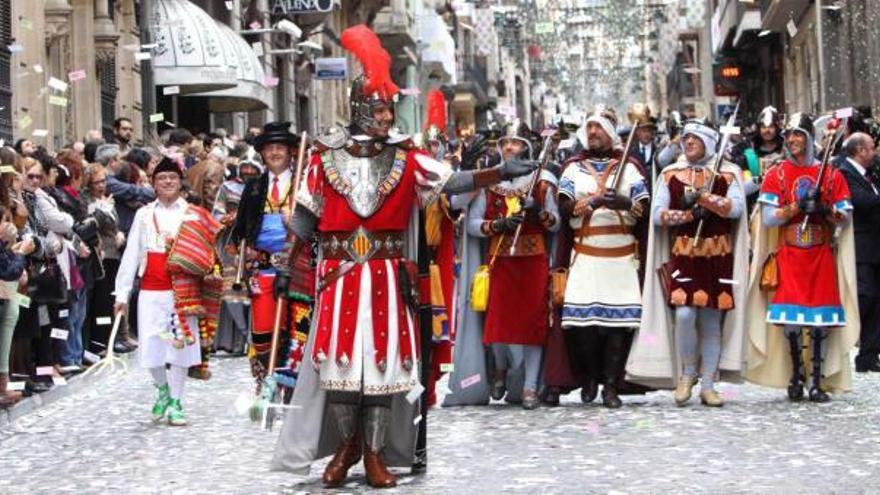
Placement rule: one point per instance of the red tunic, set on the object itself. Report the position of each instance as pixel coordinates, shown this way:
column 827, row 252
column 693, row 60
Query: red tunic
column 337, row 216
column 517, row 311
column 807, row 292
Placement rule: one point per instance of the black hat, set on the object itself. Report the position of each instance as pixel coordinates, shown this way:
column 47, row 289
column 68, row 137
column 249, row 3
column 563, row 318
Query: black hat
column 167, row 165
column 276, row 132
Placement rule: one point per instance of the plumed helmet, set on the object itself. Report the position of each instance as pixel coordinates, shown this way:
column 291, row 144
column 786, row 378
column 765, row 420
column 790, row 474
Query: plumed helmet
column 374, row 88
column 436, row 120
column 800, row 121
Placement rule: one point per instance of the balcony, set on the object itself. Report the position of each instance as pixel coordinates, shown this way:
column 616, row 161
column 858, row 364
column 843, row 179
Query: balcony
column 396, row 28
column 472, row 80
column 775, row 14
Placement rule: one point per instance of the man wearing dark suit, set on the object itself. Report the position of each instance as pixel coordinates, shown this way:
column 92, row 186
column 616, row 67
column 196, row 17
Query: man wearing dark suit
column 859, row 152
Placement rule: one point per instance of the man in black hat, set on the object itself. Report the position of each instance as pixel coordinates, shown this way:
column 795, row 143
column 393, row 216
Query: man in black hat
column 263, row 214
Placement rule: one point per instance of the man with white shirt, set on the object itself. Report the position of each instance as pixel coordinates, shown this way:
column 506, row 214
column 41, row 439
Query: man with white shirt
column 859, row 152
column 263, row 214
column 164, row 338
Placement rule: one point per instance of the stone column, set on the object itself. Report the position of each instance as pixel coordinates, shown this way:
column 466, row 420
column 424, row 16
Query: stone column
column 128, row 77
column 106, row 36
column 28, row 27
column 59, row 121
column 85, row 94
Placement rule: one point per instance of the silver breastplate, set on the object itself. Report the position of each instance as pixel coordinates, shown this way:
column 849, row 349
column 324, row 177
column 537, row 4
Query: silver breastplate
column 359, row 179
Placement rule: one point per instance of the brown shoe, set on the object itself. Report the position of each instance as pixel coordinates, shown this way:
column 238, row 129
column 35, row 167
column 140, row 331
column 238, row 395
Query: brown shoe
column 348, row 455
column 378, row 475
column 8, row 398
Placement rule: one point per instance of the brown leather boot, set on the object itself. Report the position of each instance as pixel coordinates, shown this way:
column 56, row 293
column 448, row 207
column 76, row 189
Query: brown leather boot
column 8, row 398
column 378, row 475
column 349, row 453
column 375, row 424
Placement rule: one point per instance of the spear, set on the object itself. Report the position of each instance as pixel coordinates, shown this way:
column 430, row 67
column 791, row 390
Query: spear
column 726, row 132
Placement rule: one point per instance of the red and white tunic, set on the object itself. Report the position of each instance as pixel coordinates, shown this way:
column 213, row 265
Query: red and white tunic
column 366, row 338
column 145, row 256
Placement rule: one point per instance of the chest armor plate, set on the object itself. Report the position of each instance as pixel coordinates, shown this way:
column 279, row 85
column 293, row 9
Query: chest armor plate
column 360, row 179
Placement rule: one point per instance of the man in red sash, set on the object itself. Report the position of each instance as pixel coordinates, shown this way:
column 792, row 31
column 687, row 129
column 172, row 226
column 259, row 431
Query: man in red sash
column 169, row 337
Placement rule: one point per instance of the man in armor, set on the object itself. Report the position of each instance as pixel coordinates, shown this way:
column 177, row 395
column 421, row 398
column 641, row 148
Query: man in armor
column 357, row 199
column 765, row 151
column 805, row 283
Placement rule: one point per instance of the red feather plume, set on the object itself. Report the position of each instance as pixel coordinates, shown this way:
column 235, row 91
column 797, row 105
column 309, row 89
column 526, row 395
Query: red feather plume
column 436, row 111
column 363, row 43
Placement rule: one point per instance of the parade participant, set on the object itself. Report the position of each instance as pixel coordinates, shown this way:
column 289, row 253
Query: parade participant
column 168, row 331
column 440, row 236
column 692, row 285
column 234, row 326
column 469, row 379
column 357, row 198
column 262, row 218
column 602, row 294
column 805, row 283
column 765, row 151
column 859, row 151
column 646, row 149
column 516, row 216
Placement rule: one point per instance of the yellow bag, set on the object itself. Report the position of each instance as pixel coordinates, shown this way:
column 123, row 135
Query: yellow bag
column 480, row 289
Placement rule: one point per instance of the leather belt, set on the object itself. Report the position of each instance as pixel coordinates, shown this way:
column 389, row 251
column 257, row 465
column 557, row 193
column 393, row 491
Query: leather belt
column 587, row 231
column 526, row 245
column 361, row 245
column 813, row 235
column 603, row 252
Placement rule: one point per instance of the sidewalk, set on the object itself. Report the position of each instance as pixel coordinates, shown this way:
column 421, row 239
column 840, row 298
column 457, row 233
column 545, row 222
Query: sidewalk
column 75, row 384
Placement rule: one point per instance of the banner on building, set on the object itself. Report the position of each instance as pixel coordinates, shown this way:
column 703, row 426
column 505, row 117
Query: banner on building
column 331, row 68
column 291, row 7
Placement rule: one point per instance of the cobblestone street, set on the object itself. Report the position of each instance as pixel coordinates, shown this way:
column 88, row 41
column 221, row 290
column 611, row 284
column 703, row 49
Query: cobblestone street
column 100, row 440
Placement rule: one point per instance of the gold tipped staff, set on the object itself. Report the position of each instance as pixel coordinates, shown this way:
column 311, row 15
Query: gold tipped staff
column 111, row 362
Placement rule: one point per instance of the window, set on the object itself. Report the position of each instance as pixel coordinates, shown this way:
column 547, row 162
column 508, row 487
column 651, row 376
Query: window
column 106, row 69
column 5, row 72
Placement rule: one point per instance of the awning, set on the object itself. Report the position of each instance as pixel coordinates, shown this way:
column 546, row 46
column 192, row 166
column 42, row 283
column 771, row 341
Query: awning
column 189, row 49
column 250, row 93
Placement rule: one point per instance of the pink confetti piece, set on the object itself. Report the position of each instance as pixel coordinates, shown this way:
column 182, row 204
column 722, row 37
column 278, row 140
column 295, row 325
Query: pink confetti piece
column 650, row 338
column 410, row 91
column 592, row 427
column 77, row 75
column 270, row 81
column 470, row 381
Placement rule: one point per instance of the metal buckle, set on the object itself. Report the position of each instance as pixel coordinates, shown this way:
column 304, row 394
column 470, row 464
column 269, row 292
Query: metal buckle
column 804, row 236
column 360, row 245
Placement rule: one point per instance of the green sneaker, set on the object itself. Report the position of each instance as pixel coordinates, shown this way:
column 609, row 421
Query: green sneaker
column 176, row 416
column 161, row 404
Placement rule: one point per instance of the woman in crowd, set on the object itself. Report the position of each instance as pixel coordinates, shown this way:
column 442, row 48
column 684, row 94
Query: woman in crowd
column 85, row 268
column 102, row 208
column 12, row 274
column 32, row 344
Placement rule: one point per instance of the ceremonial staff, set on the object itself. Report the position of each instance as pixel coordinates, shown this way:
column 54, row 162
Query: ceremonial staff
column 826, row 157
